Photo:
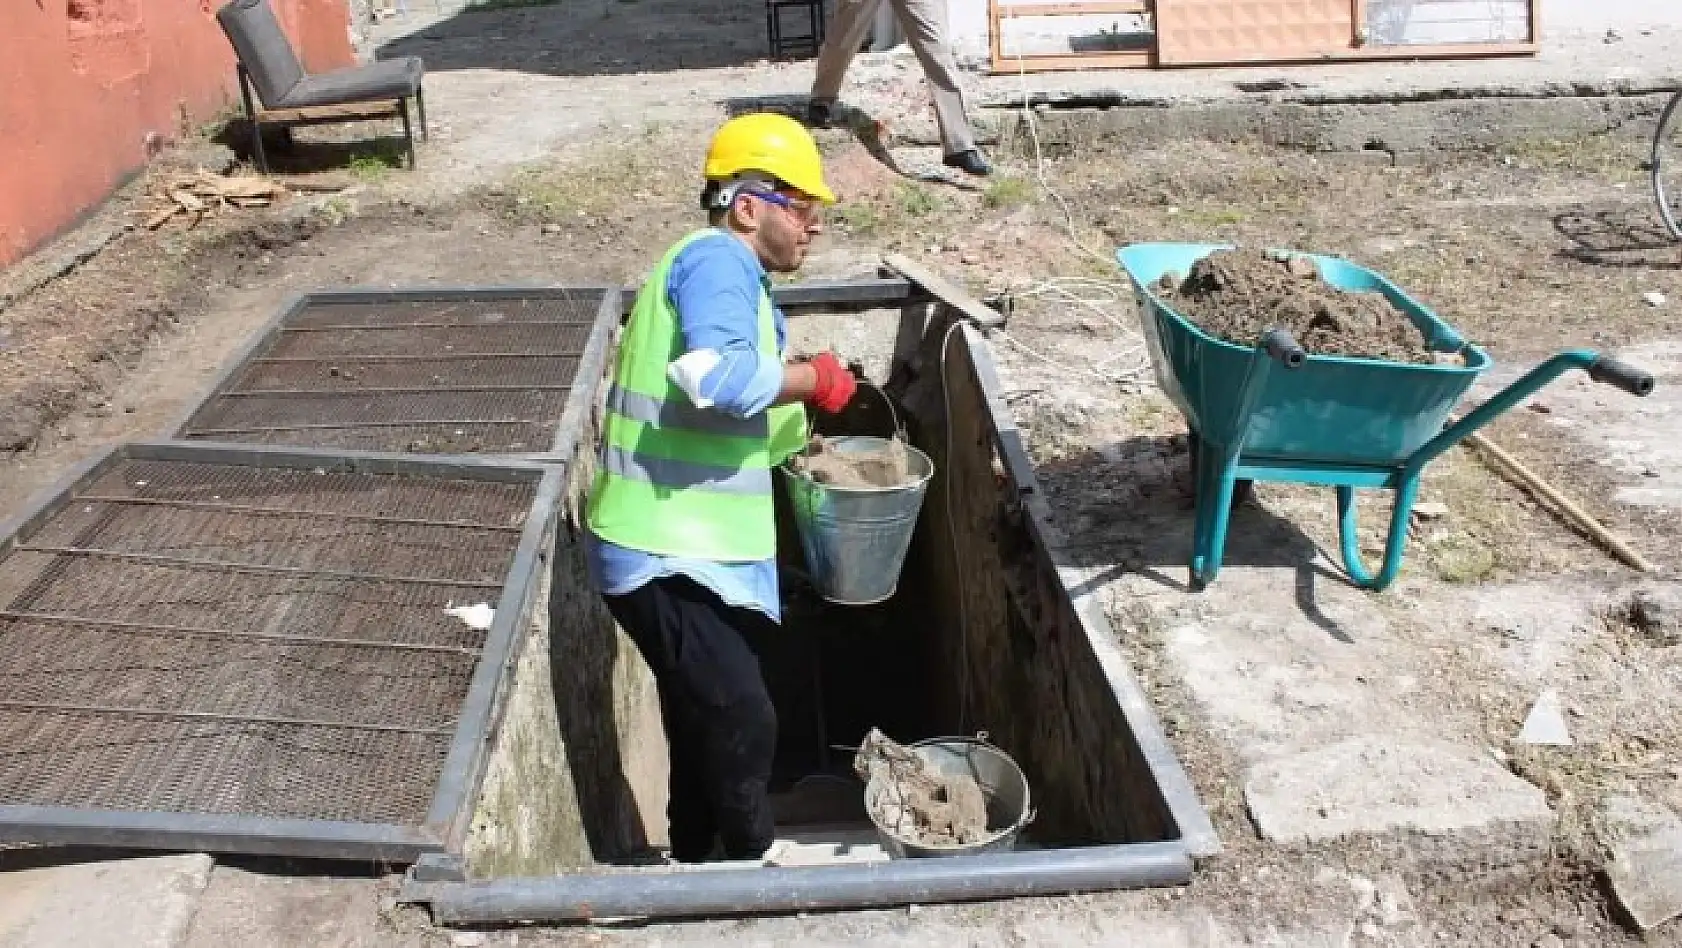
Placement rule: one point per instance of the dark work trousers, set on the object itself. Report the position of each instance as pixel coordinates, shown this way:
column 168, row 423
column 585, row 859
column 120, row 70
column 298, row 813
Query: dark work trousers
column 720, row 724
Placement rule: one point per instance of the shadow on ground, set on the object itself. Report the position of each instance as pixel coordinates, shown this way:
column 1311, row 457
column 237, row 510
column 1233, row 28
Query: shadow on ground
column 1129, row 507
column 596, row 37
column 369, row 148
column 1623, row 237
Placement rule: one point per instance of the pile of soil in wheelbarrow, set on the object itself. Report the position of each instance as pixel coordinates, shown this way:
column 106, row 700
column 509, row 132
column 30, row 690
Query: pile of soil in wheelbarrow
column 921, row 806
column 889, row 466
column 1236, row 295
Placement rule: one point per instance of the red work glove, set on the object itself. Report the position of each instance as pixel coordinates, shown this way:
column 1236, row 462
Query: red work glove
column 835, row 386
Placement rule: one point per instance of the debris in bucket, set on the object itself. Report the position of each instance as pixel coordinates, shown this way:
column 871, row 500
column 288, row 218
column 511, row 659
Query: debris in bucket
column 889, row 466
column 921, row 806
column 1237, row 295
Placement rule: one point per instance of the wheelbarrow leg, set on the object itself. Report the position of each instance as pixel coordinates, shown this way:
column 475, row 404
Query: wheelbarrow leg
column 1348, row 528
column 1218, row 463
column 1216, row 479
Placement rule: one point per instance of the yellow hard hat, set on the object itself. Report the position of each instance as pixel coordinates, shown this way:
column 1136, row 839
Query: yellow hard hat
column 772, row 144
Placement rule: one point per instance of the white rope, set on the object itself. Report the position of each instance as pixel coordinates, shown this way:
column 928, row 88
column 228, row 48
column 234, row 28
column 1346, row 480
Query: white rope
column 1090, row 293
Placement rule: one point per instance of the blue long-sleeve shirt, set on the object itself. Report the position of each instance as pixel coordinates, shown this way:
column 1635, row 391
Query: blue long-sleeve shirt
column 714, row 286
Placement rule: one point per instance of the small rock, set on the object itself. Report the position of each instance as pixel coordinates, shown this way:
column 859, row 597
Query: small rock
column 1430, row 511
column 467, row 939
column 1550, row 940
column 1653, row 298
column 551, row 229
column 1612, row 36
column 1370, row 930
column 1545, row 724
column 1302, row 267
column 1655, row 613
column 1569, row 926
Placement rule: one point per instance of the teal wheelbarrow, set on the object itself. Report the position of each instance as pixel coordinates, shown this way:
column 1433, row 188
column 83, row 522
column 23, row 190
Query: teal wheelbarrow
column 1272, row 412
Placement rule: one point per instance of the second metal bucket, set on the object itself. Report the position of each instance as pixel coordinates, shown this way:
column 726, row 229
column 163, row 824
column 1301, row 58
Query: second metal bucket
column 1002, row 783
column 855, row 538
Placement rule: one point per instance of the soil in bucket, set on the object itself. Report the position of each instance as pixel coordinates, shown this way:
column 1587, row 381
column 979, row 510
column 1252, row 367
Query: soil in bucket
column 888, row 466
column 923, row 807
column 1236, row 295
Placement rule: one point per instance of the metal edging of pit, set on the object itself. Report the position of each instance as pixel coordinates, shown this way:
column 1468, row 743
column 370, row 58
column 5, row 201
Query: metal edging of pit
column 592, row 357
column 455, row 789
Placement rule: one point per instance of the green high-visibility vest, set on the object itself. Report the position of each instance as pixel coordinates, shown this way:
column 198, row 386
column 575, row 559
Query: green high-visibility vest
column 674, row 479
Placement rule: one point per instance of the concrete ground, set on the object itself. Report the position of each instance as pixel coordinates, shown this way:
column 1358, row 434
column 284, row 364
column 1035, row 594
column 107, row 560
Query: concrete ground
column 1359, row 753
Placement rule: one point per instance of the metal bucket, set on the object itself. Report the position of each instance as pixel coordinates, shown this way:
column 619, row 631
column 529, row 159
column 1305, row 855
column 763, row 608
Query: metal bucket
column 855, row 538
column 1002, row 783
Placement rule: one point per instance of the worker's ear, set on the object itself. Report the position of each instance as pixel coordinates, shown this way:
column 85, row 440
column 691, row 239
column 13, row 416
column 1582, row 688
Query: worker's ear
column 744, row 214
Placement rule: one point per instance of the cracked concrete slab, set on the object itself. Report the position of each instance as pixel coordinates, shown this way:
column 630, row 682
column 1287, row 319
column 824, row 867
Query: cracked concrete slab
column 119, row 903
column 1331, row 709
column 1377, row 785
column 1645, row 870
column 282, row 910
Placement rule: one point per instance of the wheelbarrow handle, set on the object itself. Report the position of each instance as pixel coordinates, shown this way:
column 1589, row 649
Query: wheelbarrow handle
column 1279, row 344
column 1621, row 374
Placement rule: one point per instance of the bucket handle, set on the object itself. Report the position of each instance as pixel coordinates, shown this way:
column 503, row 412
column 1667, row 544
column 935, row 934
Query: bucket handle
column 893, row 415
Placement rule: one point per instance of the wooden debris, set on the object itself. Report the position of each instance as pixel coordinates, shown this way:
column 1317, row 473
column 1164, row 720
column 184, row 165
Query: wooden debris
column 202, row 194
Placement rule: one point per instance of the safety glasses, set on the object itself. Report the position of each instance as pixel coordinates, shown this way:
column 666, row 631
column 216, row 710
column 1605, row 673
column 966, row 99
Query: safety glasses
column 806, row 210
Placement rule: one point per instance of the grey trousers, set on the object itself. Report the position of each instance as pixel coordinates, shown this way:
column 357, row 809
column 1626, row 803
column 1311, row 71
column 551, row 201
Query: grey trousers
column 924, row 24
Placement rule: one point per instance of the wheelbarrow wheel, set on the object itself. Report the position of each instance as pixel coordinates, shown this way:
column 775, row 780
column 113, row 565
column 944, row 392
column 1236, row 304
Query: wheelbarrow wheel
column 1242, row 490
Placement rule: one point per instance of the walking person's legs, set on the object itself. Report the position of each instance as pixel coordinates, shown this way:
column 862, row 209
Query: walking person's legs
column 842, row 38
column 924, row 23
column 717, row 713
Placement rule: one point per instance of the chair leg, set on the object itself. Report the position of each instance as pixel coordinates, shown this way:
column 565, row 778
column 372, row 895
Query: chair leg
column 257, row 147
column 408, row 130
column 420, row 107
column 251, row 119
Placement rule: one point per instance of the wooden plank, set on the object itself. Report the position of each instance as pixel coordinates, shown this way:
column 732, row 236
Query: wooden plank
column 1043, row 62
column 1439, row 51
column 1095, row 8
column 332, row 113
column 937, row 285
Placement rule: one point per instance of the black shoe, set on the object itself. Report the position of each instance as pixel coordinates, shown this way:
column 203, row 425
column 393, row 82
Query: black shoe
column 821, row 114
column 968, row 161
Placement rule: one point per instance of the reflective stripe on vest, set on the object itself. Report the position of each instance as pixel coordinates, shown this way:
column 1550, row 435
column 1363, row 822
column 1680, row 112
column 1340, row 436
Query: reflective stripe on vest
column 683, row 414
column 675, row 479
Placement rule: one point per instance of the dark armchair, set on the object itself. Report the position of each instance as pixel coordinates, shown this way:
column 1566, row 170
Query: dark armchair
column 289, row 96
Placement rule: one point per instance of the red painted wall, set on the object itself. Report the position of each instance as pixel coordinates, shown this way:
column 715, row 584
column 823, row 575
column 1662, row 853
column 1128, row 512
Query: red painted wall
column 85, row 83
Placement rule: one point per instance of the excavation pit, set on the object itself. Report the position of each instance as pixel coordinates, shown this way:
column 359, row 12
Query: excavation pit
column 982, row 636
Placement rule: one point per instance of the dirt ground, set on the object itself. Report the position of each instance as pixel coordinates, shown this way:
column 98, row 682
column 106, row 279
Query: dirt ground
column 1524, row 252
